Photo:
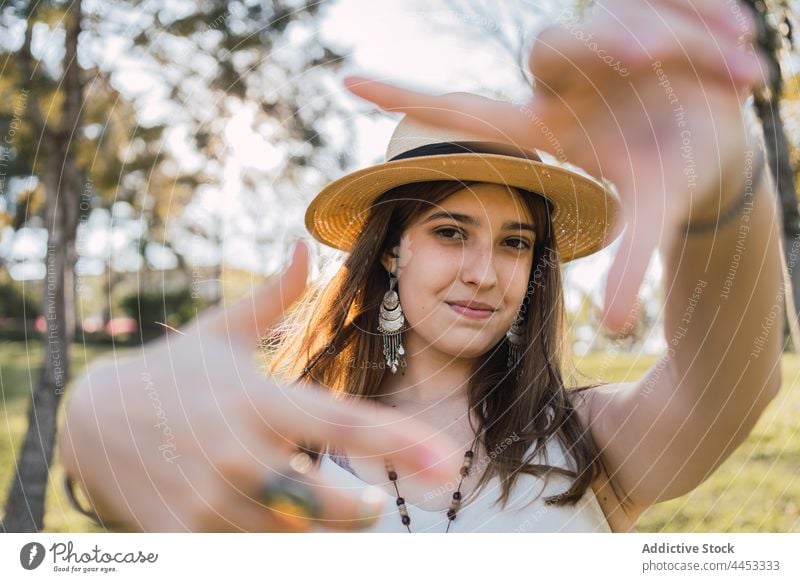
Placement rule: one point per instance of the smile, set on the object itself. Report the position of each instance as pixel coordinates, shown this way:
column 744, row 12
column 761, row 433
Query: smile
column 471, row 313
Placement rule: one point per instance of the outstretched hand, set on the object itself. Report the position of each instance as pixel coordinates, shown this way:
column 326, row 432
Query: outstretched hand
column 185, row 434
column 648, row 95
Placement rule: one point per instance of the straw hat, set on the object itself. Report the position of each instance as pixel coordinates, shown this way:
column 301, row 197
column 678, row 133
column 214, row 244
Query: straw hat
column 587, row 216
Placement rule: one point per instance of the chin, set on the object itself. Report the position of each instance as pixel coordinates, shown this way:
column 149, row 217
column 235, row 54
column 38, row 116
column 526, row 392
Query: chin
column 463, row 347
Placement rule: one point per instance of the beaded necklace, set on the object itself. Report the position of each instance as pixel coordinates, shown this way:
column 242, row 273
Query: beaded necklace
column 455, row 504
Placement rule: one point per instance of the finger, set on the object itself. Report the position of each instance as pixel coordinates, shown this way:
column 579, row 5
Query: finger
column 247, row 320
column 733, row 20
column 485, row 118
column 625, row 277
column 308, row 414
column 634, row 40
column 697, row 24
column 246, row 507
column 339, row 509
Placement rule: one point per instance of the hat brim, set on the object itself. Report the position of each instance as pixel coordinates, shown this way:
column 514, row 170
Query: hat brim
column 587, row 217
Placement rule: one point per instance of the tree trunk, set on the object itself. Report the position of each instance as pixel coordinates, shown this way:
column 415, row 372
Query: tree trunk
column 113, row 279
column 24, row 511
column 783, row 174
column 771, row 41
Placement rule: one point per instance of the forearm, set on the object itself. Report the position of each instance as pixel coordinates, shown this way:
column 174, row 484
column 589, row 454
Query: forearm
column 723, row 318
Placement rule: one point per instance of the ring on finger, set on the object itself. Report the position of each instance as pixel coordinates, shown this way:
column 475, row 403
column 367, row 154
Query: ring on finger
column 291, row 500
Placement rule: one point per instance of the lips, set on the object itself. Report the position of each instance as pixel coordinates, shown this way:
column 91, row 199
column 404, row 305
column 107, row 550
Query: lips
column 471, row 311
column 476, row 305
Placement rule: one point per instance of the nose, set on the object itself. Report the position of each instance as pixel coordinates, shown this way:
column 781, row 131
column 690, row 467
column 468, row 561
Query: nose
column 478, row 267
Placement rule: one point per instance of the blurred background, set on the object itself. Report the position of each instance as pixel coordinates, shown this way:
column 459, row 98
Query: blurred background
column 157, row 158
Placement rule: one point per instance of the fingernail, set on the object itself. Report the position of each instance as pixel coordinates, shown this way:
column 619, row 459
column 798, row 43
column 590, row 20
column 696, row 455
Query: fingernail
column 293, row 242
column 293, row 247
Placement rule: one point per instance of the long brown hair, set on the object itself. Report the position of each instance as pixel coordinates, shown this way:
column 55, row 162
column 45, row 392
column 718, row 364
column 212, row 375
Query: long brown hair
column 333, row 328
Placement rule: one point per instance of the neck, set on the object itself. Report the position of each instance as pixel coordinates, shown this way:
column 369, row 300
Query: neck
column 428, row 377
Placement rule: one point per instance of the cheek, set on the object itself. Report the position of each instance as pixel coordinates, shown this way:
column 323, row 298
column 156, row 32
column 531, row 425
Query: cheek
column 517, row 285
column 423, row 263
column 423, row 284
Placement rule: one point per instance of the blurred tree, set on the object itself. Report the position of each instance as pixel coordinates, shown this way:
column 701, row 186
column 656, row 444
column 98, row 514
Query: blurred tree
column 155, row 312
column 790, row 109
column 71, row 143
column 263, row 66
column 50, row 109
column 95, row 96
column 775, row 23
column 79, row 160
column 13, row 303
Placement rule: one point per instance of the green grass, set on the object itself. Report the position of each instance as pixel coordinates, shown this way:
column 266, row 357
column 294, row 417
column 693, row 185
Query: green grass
column 756, row 490
column 19, row 373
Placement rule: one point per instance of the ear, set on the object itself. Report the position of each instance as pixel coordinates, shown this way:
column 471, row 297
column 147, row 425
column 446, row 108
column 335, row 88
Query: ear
column 389, row 259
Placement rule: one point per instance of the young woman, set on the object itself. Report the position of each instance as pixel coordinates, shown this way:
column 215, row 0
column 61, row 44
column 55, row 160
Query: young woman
column 429, row 367
column 450, row 309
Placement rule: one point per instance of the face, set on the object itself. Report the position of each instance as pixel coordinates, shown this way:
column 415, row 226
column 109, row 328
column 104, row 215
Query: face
column 475, row 246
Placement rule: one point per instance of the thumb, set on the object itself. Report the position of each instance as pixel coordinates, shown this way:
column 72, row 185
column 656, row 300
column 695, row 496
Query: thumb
column 247, row 320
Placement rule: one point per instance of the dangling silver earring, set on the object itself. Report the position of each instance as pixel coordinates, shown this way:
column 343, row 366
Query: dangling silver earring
column 390, row 324
column 515, row 336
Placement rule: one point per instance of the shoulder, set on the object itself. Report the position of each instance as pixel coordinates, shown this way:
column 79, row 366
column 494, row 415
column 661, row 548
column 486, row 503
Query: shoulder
column 621, row 517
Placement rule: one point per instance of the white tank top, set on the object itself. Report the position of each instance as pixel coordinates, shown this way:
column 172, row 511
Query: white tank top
column 525, row 511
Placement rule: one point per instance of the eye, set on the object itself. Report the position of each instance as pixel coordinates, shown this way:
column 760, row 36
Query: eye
column 521, row 244
column 442, row 233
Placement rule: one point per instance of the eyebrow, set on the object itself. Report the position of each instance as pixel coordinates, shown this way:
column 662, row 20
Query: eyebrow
column 472, row 221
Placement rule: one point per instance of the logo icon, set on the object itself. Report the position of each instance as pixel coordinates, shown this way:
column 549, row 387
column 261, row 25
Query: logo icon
column 31, row 555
